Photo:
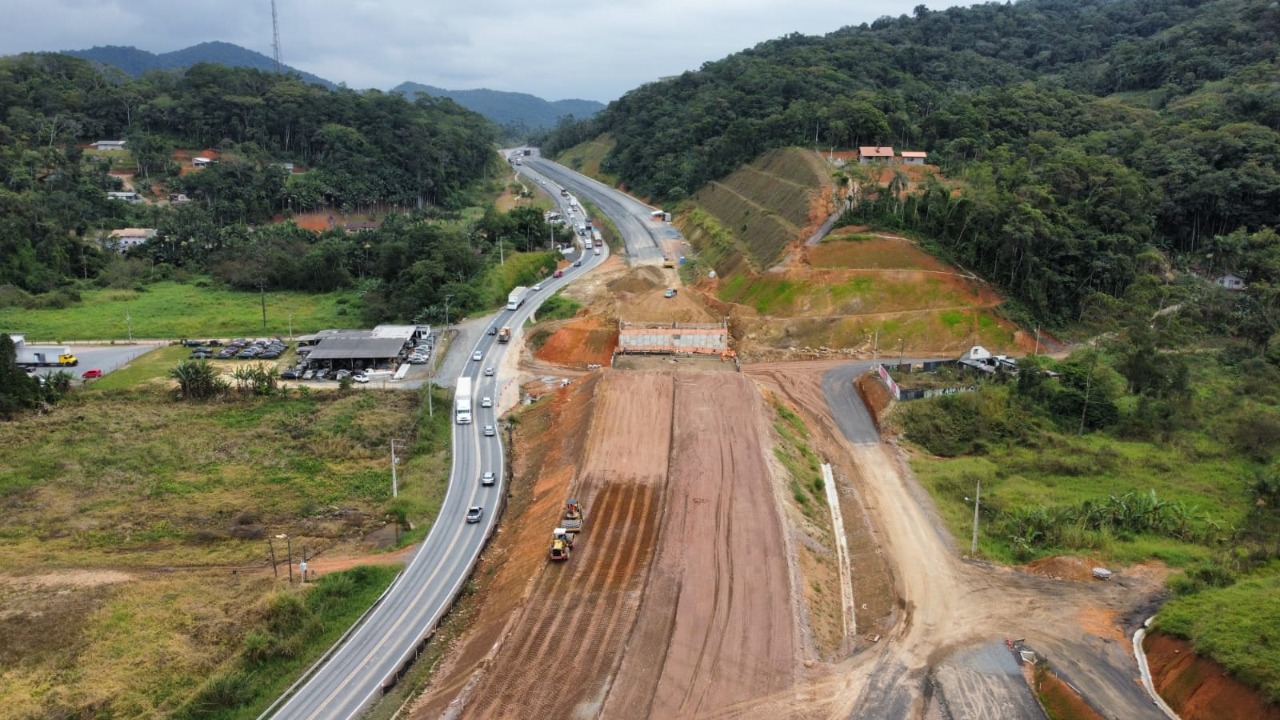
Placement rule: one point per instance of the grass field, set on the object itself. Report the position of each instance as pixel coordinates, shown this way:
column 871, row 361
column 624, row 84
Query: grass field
column 134, row 561
column 177, row 310
column 586, row 158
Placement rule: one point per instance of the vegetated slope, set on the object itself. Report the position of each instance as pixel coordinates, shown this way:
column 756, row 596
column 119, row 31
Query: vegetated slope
column 509, row 108
column 748, row 219
column 1068, row 182
column 135, row 62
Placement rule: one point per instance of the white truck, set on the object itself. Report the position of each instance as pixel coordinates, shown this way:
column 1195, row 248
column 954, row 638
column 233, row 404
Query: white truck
column 462, row 401
column 517, row 297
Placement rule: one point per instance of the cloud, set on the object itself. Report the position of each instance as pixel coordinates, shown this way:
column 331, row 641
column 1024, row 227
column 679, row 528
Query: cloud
column 594, row 49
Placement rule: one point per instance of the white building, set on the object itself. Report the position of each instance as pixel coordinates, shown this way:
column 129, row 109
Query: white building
column 1230, row 281
column 913, row 157
column 113, row 145
column 124, row 238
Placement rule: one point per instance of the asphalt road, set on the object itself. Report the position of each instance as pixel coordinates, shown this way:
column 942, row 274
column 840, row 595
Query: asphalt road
column 354, row 675
column 641, row 235
column 101, row 357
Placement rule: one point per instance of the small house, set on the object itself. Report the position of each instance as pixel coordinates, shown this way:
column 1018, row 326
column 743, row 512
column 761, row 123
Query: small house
column 981, row 360
column 125, row 238
column 179, row 198
column 125, row 196
column 874, row 154
column 1230, row 281
column 200, row 161
column 111, row 145
column 913, row 157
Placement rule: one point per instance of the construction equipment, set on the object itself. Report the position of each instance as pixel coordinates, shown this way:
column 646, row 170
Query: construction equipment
column 667, row 262
column 561, row 544
column 504, row 335
column 572, row 520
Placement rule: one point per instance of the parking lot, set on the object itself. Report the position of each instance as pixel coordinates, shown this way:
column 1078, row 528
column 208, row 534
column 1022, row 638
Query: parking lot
column 101, row 357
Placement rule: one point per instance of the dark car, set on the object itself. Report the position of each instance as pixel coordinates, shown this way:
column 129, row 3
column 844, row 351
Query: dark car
column 577, row 263
column 493, row 330
column 290, row 375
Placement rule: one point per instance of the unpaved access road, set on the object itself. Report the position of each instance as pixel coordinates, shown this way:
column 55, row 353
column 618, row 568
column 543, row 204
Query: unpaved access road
column 934, row 661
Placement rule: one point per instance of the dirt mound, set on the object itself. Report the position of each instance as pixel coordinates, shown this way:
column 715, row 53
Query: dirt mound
column 1062, row 567
column 580, row 342
column 1198, row 688
column 652, row 306
column 641, row 279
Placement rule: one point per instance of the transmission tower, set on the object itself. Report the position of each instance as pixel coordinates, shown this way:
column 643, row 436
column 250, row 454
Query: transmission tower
column 275, row 35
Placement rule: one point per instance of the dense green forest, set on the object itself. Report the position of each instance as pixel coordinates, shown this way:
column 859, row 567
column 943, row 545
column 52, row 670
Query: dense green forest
column 1080, row 133
column 360, row 151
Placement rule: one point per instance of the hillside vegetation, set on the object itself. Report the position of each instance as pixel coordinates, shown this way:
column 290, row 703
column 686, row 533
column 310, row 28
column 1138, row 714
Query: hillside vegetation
column 1085, row 133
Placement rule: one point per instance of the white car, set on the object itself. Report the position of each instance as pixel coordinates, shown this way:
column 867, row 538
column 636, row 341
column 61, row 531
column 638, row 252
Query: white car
column 489, row 431
column 488, row 372
column 477, row 356
column 536, row 288
column 474, row 513
column 486, row 402
column 488, row 479
column 360, row 378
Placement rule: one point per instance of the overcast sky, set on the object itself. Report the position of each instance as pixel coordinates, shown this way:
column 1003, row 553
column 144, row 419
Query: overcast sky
column 592, row 49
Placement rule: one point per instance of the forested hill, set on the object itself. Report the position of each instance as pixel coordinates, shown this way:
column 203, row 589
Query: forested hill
column 135, row 62
column 518, row 111
column 359, row 149
column 1084, row 132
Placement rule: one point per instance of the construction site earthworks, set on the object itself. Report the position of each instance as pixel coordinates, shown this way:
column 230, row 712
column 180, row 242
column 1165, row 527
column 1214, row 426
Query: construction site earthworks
column 743, row 554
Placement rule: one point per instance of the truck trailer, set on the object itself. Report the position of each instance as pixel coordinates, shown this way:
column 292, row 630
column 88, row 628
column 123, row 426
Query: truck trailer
column 42, row 355
column 462, row 401
column 517, row 297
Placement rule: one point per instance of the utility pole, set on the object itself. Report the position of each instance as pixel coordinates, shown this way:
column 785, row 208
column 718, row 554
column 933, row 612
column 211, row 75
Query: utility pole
column 977, row 498
column 1037, row 352
column 875, row 348
column 128, row 319
column 395, row 489
column 902, row 351
column 290, row 327
column 263, row 290
column 447, row 298
column 274, row 568
column 1084, row 412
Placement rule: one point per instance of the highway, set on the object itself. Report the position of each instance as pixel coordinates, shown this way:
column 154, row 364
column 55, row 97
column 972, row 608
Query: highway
column 632, row 217
column 354, row 675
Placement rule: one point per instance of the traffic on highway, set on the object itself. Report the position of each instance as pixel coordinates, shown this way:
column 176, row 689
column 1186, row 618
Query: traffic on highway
column 369, row 660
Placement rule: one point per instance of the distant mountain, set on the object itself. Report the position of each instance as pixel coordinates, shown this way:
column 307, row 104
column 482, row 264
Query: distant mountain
column 135, row 62
column 507, row 108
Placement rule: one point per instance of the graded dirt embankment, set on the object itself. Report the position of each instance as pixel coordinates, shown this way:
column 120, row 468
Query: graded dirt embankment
column 680, row 563
column 1198, row 688
column 716, row 626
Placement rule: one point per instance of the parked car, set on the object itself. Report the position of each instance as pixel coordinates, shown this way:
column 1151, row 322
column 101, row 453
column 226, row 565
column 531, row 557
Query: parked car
column 308, row 375
column 669, row 293
column 486, row 402
column 477, row 356
column 289, row 375
column 360, row 378
column 488, row 479
column 90, row 374
column 489, row 431
column 417, row 360
column 474, row 513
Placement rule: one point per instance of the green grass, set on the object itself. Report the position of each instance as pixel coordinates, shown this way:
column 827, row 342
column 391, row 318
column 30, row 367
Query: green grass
column 167, row 310
column 1238, row 626
column 297, row 627
column 802, row 464
column 519, row 269
column 558, row 307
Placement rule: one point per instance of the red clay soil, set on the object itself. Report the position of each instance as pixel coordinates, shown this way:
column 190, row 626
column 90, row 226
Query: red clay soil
column 680, row 564
column 1198, row 688
column 1062, row 702
column 716, row 628
column 579, row 342
column 567, row 641
column 874, row 394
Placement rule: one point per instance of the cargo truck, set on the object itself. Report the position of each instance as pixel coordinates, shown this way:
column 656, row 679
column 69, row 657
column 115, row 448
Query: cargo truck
column 504, row 335
column 42, row 355
column 517, row 297
column 462, row 401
